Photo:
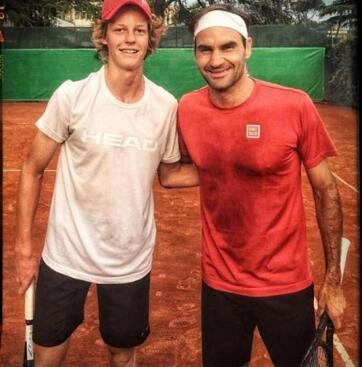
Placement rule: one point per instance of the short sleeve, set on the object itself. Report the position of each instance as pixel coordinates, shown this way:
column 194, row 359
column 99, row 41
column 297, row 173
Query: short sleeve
column 315, row 143
column 183, row 149
column 56, row 118
column 172, row 152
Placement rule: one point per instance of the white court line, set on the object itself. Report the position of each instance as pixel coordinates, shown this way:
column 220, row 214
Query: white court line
column 342, row 352
column 336, row 341
column 346, row 183
column 335, row 175
column 19, row 170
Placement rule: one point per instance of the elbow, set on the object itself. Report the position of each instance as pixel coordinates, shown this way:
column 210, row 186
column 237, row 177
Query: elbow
column 29, row 169
column 165, row 183
column 329, row 191
column 167, row 175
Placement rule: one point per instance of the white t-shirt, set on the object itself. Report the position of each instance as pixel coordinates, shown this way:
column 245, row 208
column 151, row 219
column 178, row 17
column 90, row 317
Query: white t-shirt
column 101, row 226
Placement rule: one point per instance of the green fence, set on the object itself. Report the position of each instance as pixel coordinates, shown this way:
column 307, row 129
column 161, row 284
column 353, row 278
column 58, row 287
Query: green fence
column 33, row 74
column 178, row 36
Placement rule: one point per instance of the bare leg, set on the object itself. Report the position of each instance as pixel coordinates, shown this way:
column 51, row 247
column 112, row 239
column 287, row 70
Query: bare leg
column 50, row 356
column 122, row 357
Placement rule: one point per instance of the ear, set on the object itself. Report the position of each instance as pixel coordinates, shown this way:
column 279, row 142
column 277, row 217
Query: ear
column 248, row 47
column 104, row 35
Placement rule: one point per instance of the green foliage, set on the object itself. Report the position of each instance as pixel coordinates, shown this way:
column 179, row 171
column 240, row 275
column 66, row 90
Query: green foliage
column 268, row 11
column 304, row 10
column 341, row 13
column 32, row 12
column 342, row 56
column 342, row 73
column 43, row 13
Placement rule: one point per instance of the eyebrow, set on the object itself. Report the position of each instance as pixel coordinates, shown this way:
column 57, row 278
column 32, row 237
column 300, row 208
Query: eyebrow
column 228, row 44
column 223, row 46
column 203, row 47
column 126, row 25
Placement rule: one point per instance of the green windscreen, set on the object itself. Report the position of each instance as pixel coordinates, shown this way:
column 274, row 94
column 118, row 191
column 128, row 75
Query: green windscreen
column 34, row 74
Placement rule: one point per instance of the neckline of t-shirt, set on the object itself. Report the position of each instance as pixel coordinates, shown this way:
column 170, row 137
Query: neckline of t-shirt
column 119, row 103
column 241, row 105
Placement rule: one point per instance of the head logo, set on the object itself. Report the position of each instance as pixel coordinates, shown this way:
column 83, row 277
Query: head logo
column 253, row 131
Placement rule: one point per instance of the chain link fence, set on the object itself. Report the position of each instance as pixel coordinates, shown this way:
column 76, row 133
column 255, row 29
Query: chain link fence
column 175, row 37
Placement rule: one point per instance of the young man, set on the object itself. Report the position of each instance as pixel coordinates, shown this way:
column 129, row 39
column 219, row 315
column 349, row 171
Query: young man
column 248, row 139
column 116, row 129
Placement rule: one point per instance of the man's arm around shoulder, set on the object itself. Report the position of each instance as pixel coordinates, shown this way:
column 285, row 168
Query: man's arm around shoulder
column 179, row 174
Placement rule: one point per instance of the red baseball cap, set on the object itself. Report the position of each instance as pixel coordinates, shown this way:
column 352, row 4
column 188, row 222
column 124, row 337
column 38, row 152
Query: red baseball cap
column 111, row 7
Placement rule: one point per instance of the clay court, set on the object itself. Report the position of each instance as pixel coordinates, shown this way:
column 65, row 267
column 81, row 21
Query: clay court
column 175, row 287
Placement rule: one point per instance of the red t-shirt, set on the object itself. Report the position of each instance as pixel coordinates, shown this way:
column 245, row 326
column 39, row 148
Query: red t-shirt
column 249, row 163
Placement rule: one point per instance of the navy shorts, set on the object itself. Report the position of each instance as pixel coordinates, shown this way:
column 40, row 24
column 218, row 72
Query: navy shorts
column 59, row 309
column 286, row 324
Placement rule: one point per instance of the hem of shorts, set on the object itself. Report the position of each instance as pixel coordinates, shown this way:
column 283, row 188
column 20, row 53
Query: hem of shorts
column 92, row 278
column 258, row 292
column 50, row 344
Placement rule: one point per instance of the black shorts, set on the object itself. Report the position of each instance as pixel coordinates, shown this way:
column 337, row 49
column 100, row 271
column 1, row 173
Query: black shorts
column 286, row 324
column 59, row 309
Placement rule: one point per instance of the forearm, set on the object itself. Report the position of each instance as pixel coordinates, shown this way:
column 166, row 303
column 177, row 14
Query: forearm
column 330, row 221
column 178, row 175
column 27, row 202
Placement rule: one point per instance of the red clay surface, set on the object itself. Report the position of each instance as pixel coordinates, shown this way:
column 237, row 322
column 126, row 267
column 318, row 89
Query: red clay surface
column 175, row 319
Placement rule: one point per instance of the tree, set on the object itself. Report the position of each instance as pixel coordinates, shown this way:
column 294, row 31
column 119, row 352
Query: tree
column 304, row 10
column 268, row 11
column 43, row 13
column 341, row 13
column 342, row 54
column 261, row 11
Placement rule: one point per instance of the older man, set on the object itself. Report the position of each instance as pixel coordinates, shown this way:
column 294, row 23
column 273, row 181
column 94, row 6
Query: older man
column 248, row 139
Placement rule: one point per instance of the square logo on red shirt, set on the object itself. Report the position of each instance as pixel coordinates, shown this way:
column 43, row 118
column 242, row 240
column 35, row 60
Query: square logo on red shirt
column 253, row 131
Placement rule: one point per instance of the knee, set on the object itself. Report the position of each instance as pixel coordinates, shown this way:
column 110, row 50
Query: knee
column 121, row 356
column 50, row 356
